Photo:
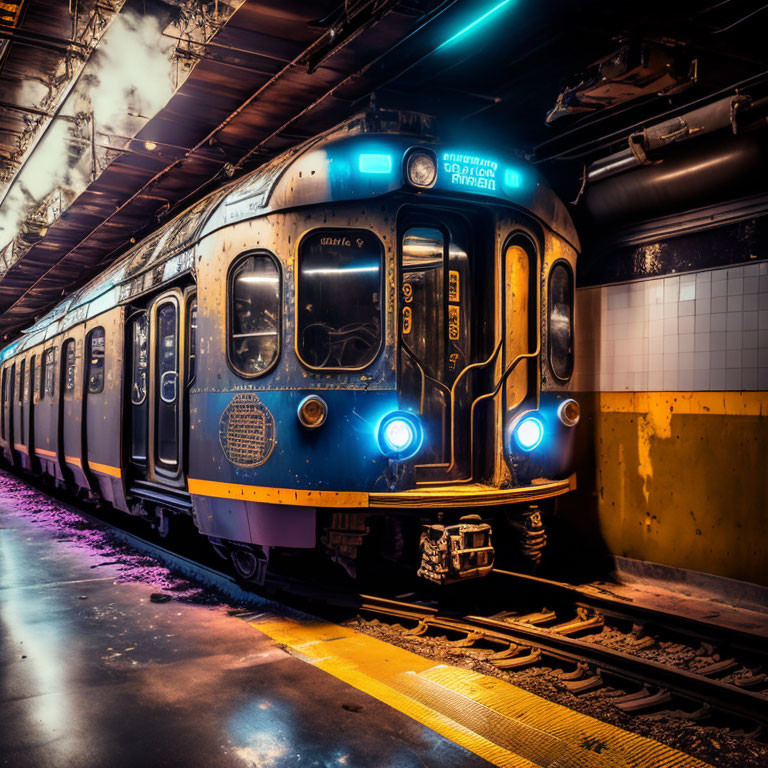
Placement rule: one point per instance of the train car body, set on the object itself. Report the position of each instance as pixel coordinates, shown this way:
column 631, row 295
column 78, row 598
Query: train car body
column 365, row 345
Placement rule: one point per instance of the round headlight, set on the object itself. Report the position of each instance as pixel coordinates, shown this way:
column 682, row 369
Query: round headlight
column 312, row 412
column 400, row 435
column 569, row 412
column 421, row 169
column 529, row 433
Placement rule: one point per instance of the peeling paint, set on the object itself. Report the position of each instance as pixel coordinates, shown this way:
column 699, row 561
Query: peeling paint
column 657, row 423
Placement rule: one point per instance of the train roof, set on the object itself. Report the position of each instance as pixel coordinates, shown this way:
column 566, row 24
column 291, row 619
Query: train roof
column 359, row 159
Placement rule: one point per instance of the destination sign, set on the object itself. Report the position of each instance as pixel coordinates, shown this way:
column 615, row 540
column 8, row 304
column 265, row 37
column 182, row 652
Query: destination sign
column 470, row 171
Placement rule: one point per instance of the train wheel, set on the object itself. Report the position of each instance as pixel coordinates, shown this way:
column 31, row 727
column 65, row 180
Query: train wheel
column 249, row 565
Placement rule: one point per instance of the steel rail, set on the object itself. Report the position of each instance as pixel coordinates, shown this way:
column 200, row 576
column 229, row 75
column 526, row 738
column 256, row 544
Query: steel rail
column 615, row 607
column 720, row 696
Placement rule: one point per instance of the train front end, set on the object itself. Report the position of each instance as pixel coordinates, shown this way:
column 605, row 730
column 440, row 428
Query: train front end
column 418, row 406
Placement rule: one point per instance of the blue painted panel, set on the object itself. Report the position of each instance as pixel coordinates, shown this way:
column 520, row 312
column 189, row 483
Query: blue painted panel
column 342, row 455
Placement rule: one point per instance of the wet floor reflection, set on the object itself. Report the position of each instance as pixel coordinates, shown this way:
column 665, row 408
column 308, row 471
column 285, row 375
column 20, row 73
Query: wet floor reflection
column 40, row 652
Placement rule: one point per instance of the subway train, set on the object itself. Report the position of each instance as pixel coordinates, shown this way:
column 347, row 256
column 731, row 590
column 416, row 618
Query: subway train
column 363, row 348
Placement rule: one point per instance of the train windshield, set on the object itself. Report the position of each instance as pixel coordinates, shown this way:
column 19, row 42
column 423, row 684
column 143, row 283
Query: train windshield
column 339, row 299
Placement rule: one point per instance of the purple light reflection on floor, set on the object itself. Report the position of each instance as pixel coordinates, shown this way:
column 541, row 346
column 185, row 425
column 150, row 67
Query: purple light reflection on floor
column 76, row 532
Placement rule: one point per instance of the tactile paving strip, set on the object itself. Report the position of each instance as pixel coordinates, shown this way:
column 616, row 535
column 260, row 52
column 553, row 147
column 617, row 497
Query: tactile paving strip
column 496, row 720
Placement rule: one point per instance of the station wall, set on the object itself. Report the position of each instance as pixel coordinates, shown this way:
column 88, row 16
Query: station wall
column 672, row 374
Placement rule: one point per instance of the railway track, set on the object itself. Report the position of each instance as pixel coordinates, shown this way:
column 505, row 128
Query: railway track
column 730, row 684
column 515, row 641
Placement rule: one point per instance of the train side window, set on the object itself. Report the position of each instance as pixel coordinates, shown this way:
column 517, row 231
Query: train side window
column 69, row 365
column 255, row 302
column 338, row 301
column 560, row 305
column 95, row 357
column 50, row 372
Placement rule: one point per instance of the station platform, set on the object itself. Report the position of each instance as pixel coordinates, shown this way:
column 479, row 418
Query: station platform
column 95, row 672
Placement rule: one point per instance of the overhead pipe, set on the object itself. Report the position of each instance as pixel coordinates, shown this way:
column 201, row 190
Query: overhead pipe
column 696, row 174
column 721, row 114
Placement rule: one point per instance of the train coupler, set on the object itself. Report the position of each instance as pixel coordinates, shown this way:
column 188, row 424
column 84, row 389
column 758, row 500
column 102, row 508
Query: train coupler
column 451, row 553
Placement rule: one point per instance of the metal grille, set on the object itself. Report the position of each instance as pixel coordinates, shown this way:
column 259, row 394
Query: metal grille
column 247, row 431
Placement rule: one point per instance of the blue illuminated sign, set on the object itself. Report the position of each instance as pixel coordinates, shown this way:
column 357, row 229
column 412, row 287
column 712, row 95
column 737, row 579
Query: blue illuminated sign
column 375, row 163
column 512, row 178
column 470, row 171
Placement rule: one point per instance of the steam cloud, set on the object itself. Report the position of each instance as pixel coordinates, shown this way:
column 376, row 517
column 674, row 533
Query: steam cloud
column 127, row 81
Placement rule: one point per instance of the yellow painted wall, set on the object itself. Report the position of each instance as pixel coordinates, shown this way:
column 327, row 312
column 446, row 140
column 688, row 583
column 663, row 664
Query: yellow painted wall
column 677, row 478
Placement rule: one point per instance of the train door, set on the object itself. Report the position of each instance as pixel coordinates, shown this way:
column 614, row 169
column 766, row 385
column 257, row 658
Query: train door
column 166, row 395
column 18, row 415
column 138, row 397
column 10, row 422
column 29, row 410
column 71, row 414
column 443, row 312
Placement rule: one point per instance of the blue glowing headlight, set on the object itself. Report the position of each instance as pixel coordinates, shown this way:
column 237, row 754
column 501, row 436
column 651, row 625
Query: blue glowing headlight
column 529, row 433
column 400, row 435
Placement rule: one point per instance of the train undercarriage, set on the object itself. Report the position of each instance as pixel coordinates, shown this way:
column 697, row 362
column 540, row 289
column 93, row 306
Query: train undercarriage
column 447, row 547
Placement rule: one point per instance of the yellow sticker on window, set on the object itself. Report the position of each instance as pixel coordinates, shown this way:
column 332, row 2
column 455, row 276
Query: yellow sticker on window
column 453, row 285
column 454, row 318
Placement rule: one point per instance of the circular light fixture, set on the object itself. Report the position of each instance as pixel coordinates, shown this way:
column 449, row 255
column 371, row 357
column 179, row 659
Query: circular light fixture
column 569, row 412
column 421, row 169
column 400, row 435
column 529, row 433
column 312, row 412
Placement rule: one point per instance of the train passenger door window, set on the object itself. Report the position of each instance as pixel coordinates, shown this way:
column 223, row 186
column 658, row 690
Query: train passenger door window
column 50, row 372
column 69, row 367
column 167, row 386
column 139, row 341
column 338, row 299
column 95, row 356
column 37, row 382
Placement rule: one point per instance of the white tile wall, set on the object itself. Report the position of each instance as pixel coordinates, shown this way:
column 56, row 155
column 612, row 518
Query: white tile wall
column 706, row 330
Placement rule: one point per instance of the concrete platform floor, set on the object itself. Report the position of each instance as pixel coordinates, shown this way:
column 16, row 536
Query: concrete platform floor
column 95, row 671
column 94, row 674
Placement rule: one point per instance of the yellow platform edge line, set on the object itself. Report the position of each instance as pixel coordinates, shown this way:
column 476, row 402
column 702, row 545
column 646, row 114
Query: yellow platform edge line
column 522, row 729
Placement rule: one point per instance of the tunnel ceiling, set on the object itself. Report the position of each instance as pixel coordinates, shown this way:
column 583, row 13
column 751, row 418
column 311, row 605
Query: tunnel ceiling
column 268, row 74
